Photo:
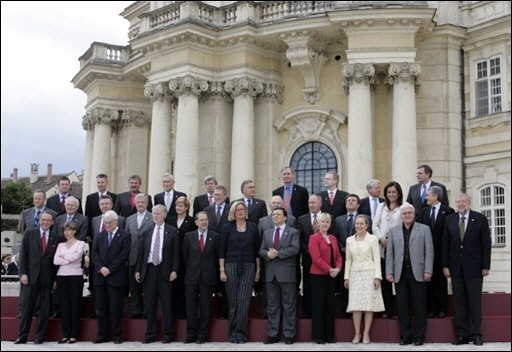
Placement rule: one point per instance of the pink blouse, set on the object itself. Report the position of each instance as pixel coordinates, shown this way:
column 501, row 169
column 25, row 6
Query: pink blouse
column 69, row 259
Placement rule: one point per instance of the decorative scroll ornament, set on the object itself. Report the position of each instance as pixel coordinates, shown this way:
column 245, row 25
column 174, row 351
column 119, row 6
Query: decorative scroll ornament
column 188, row 85
column 159, row 91
column 358, row 73
column 243, row 86
column 404, row 72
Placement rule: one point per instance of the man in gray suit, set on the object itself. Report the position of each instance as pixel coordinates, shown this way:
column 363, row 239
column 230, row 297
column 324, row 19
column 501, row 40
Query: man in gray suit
column 279, row 247
column 30, row 217
column 136, row 224
column 409, row 264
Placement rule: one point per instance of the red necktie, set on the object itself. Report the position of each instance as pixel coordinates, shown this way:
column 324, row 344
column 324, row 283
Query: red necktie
column 210, row 200
column 43, row 242
column 276, row 238
column 331, row 197
column 201, row 242
column 62, row 203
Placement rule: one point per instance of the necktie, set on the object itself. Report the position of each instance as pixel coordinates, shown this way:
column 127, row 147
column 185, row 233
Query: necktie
column 350, row 224
column 168, row 201
column 331, row 197
column 374, row 207
column 155, row 257
column 70, row 217
column 315, row 224
column 110, row 236
column 36, row 219
column 218, row 214
column 103, row 228
column 433, row 218
column 462, row 228
column 276, row 238
column 249, row 204
column 201, row 242
column 423, row 193
column 43, row 242
column 210, row 200
column 62, row 203
column 287, row 198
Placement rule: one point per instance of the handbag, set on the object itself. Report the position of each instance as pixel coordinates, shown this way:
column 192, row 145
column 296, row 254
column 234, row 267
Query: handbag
column 85, row 263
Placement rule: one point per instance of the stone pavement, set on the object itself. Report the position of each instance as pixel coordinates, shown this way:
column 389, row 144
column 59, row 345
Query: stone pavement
column 252, row 346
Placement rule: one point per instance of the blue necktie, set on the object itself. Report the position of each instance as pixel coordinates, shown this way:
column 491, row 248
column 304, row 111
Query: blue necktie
column 110, row 236
column 36, row 219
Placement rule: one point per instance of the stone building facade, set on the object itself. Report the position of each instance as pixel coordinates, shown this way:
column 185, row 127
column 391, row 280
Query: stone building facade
column 371, row 89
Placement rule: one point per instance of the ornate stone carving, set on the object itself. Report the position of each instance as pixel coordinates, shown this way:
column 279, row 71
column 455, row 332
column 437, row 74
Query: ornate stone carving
column 159, row 91
column 404, row 72
column 243, row 86
column 188, row 85
column 138, row 118
column 271, row 90
column 359, row 73
column 88, row 121
column 216, row 90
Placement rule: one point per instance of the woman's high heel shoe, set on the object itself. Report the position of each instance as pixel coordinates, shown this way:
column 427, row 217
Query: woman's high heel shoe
column 72, row 340
column 64, row 340
column 356, row 339
column 366, row 342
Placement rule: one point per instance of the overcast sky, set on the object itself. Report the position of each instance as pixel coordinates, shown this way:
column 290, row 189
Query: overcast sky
column 41, row 110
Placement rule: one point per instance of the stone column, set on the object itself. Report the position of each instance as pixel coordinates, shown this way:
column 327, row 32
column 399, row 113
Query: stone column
column 357, row 80
column 404, row 78
column 87, row 124
column 160, row 147
column 187, row 89
column 243, row 91
column 102, row 120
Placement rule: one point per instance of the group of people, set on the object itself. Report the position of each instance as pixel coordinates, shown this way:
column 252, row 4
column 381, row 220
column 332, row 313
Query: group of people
column 333, row 241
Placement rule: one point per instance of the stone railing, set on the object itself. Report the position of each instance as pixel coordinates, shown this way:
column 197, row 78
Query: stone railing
column 106, row 54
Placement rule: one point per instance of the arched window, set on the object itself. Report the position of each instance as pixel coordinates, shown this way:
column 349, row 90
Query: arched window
column 492, row 205
column 310, row 162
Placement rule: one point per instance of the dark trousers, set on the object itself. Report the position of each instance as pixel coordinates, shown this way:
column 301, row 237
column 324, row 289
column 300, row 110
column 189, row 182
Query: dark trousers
column 29, row 299
column 109, row 298
column 322, row 307
column 409, row 291
column 306, row 287
column 437, row 292
column 70, row 290
column 467, row 306
column 157, row 289
column 137, row 306
column 199, row 306
column 386, row 288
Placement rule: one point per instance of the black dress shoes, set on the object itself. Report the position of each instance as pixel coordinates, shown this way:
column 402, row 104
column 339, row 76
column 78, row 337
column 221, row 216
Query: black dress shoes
column 100, row 340
column 431, row 315
column 461, row 341
column 201, row 340
column 477, row 341
column 441, row 315
column 271, row 340
column 288, row 340
column 38, row 341
column 320, row 342
column 190, row 340
column 418, row 342
column 118, row 341
column 148, row 340
column 19, row 341
column 405, row 341
column 166, row 340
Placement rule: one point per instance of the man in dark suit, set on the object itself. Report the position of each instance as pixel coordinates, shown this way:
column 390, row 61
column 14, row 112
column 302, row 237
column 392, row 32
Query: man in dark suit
column 157, row 267
column 37, row 273
column 92, row 208
column 434, row 216
column 30, row 217
column 57, row 201
column 295, row 197
column 369, row 204
column 136, row 224
column 205, row 200
column 333, row 199
column 279, row 247
column 417, row 195
column 168, row 196
column 201, row 258
column 466, row 258
column 110, row 251
column 409, row 264
column 125, row 202
column 307, row 225
column 344, row 227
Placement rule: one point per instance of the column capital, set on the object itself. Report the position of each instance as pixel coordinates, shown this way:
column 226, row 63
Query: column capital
column 358, row 73
column 272, row 90
column 216, row 90
column 243, row 86
column 159, row 91
column 138, row 118
column 106, row 116
column 188, row 85
column 87, row 122
column 405, row 72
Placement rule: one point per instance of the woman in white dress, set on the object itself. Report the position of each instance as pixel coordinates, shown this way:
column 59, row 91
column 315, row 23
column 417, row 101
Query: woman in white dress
column 363, row 277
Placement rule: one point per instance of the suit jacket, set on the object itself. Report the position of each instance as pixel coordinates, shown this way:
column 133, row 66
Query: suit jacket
column 421, row 251
column 338, row 206
column 201, row 267
column 266, row 223
column 136, row 233
column 53, row 203
column 298, row 201
column 38, row 266
column 27, row 218
column 321, row 254
column 160, row 199
column 212, row 218
column 283, row 268
column 466, row 259
column 170, row 252
column 114, row 257
column 438, row 228
column 81, row 221
column 201, row 203
column 257, row 210
column 366, row 208
column 414, row 196
column 96, row 223
column 92, row 205
column 123, row 205
column 341, row 231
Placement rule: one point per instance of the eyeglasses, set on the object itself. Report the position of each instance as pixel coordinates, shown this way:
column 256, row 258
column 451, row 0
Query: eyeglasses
column 109, row 222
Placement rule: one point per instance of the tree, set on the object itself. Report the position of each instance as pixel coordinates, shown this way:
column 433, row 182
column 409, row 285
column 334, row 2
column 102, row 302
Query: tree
column 16, row 197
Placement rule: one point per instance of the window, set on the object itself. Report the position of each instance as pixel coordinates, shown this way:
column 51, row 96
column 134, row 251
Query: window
column 492, row 205
column 488, row 87
column 310, row 162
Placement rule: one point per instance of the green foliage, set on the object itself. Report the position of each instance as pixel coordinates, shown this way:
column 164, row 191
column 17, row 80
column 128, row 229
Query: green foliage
column 16, row 197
